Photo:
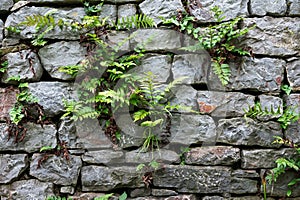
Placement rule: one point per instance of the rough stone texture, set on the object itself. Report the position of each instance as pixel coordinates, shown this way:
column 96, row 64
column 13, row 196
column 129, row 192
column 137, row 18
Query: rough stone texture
column 29, row 32
column 26, row 190
column 262, row 158
column 98, row 178
column 6, row 5
column 293, row 74
column 36, row 137
column 126, row 10
column 161, row 8
column 203, row 180
column 270, row 103
column 156, row 39
column 175, row 197
column 192, row 129
column 140, row 192
column 50, row 95
column 221, row 104
column 185, row 95
column 269, row 7
column 264, row 39
column 105, row 157
column 245, row 173
column 55, row 1
column 11, row 166
column 215, row 155
column 67, row 190
column 192, row 66
column 293, row 132
column 163, row 192
column 24, row 64
column 293, row 101
column 85, row 134
column 56, row 169
column 238, row 131
column 116, row 38
column 1, row 30
column 109, row 11
column 61, row 54
column 294, row 7
column 163, row 155
column 8, row 99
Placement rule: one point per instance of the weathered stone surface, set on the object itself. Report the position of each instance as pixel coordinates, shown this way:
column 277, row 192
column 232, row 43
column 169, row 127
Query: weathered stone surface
column 24, row 64
column 56, row 169
column 214, row 155
column 140, row 192
column 116, row 38
column 186, row 96
column 159, row 65
column 213, row 198
column 192, row 129
column 293, row 72
column 163, row 192
column 203, row 180
column 293, row 132
column 156, row 39
column 240, row 131
column 109, row 11
column 6, row 5
column 293, row 101
column 239, row 173
column 177, row 197
column 105, row 157
column 26, row 190
column 85, row 134
column 60, row 2
column 161, row 8
column 192, row 66
column 50, row 95
column 221, row 104
column 126, row 10
column 263, row 158
column 61, row 54
column 67, row 190
column 28, row 32
column 294, row 7
column 8, row 99
column 268, row 7
column 270, row 103
column 1, row 30
column 163, row 155
column 274, row 36
column 36, row 137
column 11, row 166
column 98, row 178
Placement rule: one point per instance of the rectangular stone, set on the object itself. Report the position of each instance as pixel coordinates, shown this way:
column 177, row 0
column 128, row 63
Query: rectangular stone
column 8, row 98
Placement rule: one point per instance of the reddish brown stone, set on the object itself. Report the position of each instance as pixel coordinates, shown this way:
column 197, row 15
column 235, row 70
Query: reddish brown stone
column 8, row 97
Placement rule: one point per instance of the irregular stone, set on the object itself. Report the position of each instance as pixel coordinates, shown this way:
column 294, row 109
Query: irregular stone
column 8, row 98
column 51, row 95
column 54, row 56
column 243, row 186
column 293, row 72
column 213, row 198
column 140, row 192
column 87, row 196
column 156, row 39
column 249, row 198
column 116, row 38
column 270, row 103
column 18, row 5
column 24, row 64
column 55, row 1
column 109, row 11
column 215, row 155
column 105, row 157
column 240, row 131
column 185, row 96
column 126, row 10
column 158, row 65
column 67, row 190
column 177, row 197
column 98, row 178
column 36, row 137
column 122, row 1
column 56, row 169
column 294, row 7
column 8, row 42
column 292, row 133
column 245, row 173
column 192, row 129
column 221, row 104
column 262, row 8
column 273, row 36
column 163, row 155
column 163, row 192
column 28, row 32
column 263, row 158
column 192, row 66
column 6, row 5
column 12, row 166
column 85, row 134
column 1, row 30
column 26, row 190
column 161, row 8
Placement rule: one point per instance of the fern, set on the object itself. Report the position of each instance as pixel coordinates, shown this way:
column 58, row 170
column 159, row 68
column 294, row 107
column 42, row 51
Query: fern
column 134, row 21
column 222, row 71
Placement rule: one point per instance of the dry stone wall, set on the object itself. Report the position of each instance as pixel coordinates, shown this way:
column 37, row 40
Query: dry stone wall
column 228, row 152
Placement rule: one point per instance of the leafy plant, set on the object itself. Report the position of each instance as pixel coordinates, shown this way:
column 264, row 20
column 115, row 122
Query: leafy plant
column 3, row 66
column 288, row 117
column 92, row 9
column 107, row 196
column 287, row 89
column 58, row 198
column 182, row 154
column 134, row 21
column 257, row 110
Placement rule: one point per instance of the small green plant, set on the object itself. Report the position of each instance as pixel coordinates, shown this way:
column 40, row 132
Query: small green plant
column 147, row 171
column 182, row 154
column 288, row 117
column 91, row 10
column 287, row 89
column 107, row 196
column 134, row 21
column 58, row 198
column 3, row 66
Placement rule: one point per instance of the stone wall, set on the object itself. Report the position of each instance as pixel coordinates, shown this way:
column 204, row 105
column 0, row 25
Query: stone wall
column 228, row 152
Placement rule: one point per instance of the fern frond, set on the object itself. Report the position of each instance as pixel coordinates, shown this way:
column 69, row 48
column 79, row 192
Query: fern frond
column 222, row 71
column 134, row 21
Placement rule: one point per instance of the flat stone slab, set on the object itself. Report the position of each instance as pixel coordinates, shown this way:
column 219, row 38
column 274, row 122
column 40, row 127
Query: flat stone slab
column 268, row 7
column 6, row 5
column 8, row 98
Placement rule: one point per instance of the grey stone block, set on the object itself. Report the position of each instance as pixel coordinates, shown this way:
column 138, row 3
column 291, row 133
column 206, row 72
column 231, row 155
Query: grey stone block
column 105, row 157
column 293, row 71
column 294, row 7
column 126, row 10
column 268, row 103
column 8, row 98
column 6, row 5
column 163, row 155
column 270, row 7
column 1, row 30
column 109, row 11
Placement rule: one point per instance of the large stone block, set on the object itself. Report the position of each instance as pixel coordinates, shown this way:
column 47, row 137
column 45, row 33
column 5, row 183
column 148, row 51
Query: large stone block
column 109, row 11
column 186, row 96
column 59, row 2
column 24, row 64
column 11, row 166
column 36, row 137
column 56, row 169
column 270, row 103
column 294, row 7
column 163, row 155
column 161, row 8
column 61, row 54
column 98, row 178
column 270, row 7
column 274, row 36
column 224, row 104
column 293, row 72
column 240, row 131
column 292, row 133
column 50, row 95
column 126, row 10
column 8, row 98
column 212, row 155
column 6, row 5
column 27, row 190
column 105, row 157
